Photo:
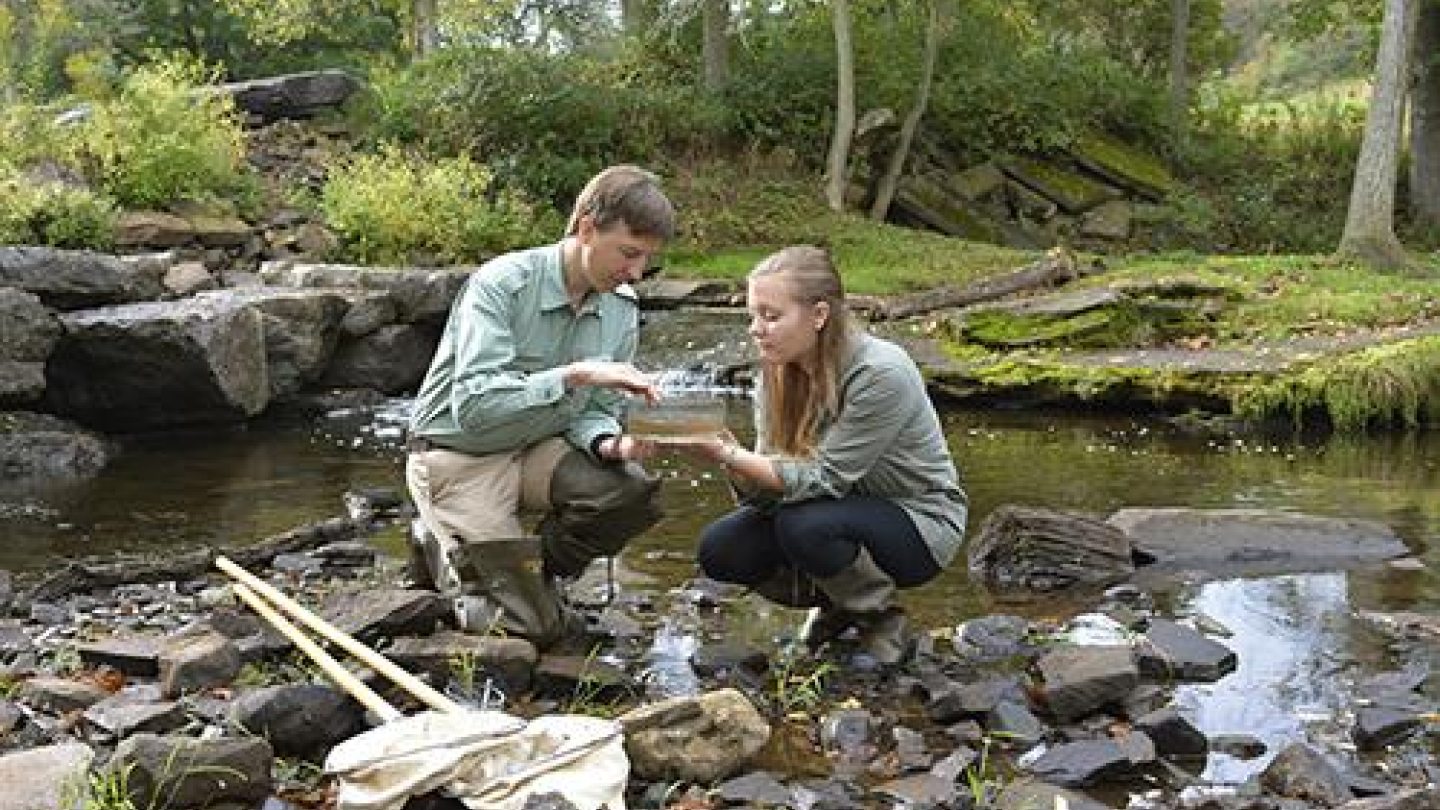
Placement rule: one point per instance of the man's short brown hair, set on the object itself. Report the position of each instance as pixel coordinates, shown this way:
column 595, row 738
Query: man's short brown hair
column 627, row 194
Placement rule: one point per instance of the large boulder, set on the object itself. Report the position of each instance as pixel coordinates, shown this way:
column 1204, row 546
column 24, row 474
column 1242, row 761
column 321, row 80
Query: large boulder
column 35, row 445
column 420, row 293
column 302, row 329
column 144, row 366
column 75, row 279
column 29, row 331
column 297, row 95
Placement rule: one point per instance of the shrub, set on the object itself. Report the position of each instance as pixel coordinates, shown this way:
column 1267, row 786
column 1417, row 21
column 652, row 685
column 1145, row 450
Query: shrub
column 53, row 214
column 395, row 208
column 162, row 140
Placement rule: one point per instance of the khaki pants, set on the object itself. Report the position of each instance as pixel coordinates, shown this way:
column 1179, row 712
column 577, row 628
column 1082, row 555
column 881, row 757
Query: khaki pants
column 590, row 509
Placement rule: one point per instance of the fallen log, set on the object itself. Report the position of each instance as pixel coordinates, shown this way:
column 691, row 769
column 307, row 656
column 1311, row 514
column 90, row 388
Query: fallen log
column 85, row 575
column 1058, row 266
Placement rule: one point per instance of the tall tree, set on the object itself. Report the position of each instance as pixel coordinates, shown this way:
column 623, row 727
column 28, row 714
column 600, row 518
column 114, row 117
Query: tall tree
column 1369, row 234
column 838, row 162
column 891, row 180
column 715, row 24
column 1425, row 116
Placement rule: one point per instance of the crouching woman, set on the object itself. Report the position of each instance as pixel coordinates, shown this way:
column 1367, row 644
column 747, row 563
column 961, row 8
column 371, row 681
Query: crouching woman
column 850, row 493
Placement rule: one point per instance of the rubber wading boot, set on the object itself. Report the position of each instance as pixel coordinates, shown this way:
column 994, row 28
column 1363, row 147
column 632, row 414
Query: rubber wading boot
column 868, row 594
column 504, row 591
column 791, row 588
column 423, row 549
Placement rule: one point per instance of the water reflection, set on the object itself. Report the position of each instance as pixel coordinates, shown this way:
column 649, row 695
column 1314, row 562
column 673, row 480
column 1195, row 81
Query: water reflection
column 1295, row 636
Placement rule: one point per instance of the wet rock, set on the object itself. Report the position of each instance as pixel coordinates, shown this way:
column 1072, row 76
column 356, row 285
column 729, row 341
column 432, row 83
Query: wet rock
column 42, row 778
column 197, row 662
column 1027, row 794
column 391, row 359
column 39, row 446
column 911, row 752
column 1079, row 680
column 18, row 731
column 1240, row 746
column 60, row 695
column 1082, row 763
column 297, row 565
column 694, row 739
column 827, row 794
column 234, row 624
column 132, row 653
column 388, row 612
column 755, row 789
column 75, row 279
column 956, row 701
column 123, row 714
column 14, row 641
column 572, row 675
column 716, row 660
column 510, row 661
column 919, row 790
column 1046, row 549
column 182, row 772
column 1015, row 723
column 991, row 638
column 161, row 364
column 1173, row 735
column 1378, row 726
column 1172, row 651
column 299, row 720
column 1412, row 799
column 848, row 734
column 1300, row 772
column 295, row 95
column 547, row 801
column 1252, row 541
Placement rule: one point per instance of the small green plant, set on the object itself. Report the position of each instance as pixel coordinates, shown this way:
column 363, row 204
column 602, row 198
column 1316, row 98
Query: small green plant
column 983, row 778
column 104, row 789
column 590, row 693
column 799, row 684
column 395, row 208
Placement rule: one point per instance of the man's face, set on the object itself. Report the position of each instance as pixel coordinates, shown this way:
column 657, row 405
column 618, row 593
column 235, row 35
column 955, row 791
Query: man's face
column 614, row 255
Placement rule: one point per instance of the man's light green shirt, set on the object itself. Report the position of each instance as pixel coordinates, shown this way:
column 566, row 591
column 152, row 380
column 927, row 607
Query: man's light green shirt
column 496, row 381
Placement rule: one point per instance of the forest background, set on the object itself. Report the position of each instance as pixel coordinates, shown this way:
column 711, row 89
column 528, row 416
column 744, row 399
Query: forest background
column 481, row 118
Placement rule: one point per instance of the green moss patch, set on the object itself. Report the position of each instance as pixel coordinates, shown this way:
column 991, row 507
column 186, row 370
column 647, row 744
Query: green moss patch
column 1392, row 385
column 1124, row 165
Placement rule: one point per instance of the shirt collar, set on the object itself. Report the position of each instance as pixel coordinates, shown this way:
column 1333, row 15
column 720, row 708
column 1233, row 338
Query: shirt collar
column 553, row 294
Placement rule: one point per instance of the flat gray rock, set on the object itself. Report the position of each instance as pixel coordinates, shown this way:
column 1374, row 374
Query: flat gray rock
column 1246, row 542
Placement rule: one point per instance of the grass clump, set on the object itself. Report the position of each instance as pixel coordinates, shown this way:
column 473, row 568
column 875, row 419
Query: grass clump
column 394, row 208
column 1395, row 384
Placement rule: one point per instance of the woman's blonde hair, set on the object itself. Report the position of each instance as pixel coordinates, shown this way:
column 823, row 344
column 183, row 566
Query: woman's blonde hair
column 797, row 398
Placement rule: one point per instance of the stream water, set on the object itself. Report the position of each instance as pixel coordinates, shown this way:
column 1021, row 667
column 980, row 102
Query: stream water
column 1299, row 640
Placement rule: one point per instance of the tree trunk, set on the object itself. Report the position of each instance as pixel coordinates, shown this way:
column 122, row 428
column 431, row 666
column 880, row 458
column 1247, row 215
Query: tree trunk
column 426, row 21
column 715, row 22
column 636, row 16
column 886, row 192
column 1179, row 53
column 1370, row 220
column 839, row 158
column 1425, row 117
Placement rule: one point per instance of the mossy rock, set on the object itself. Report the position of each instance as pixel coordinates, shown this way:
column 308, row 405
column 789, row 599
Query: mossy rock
column 927, row 201
column 1075, row 193
column 1084, row 319
column 1124, row 165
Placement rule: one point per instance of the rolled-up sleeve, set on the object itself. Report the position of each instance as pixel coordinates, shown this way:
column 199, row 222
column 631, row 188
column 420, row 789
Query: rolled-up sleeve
column 870, row 420
column 604, row 407
column 486, row 394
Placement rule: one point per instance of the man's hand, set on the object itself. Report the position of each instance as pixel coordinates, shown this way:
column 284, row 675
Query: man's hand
column 626, row 448
column 609, row 374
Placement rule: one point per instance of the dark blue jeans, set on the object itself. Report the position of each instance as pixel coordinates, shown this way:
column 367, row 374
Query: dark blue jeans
column 820, row 538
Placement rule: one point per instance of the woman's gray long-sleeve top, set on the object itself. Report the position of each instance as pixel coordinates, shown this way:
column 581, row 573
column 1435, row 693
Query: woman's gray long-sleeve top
column 885, row 441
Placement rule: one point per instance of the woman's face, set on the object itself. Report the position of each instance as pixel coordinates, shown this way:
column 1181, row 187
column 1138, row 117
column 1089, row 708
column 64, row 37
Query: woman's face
column 784, row 328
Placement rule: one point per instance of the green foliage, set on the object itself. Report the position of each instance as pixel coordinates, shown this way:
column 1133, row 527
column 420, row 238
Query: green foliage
column 544, row 123
column 107, row 789
column 159, row 141
column 1391, row 385
column 53, row 214
column 798, row 684
column 394, row 208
